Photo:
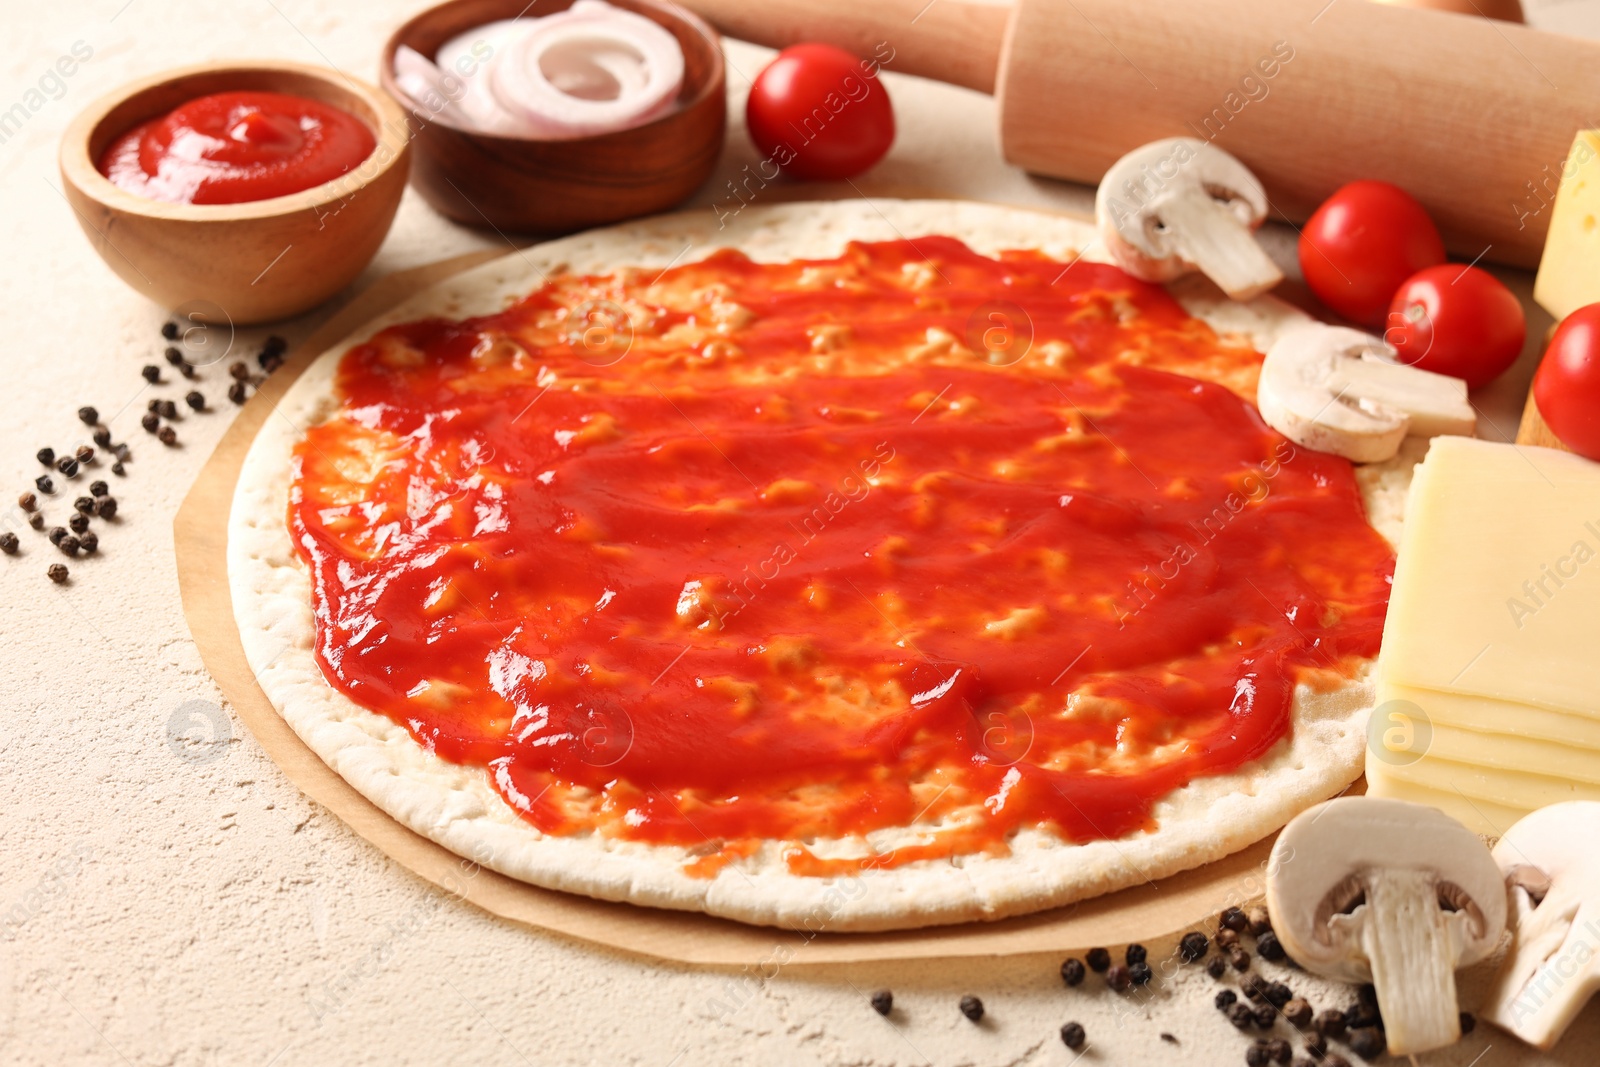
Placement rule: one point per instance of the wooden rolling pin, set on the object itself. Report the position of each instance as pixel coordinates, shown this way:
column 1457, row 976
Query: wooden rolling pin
column 1474, row 117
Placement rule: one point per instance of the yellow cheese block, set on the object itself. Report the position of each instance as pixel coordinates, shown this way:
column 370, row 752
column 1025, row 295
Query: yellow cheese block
column 1569, row 270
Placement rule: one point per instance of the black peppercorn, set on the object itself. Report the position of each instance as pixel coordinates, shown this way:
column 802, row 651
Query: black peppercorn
column 106, row 507
column 174, row 356
column 28, row 502
column 84, row 504
column 1329, row 1023
column 1072, row 971
column 972, row 1007
column 78, row 523
column 1360, row 1016
column 44, row 484
column 1254, row 987
column 1216, row 966
column 238, row 371
column 98, row 488
column 275, row 345
column 1298, row 1012
column 1072, row 1036
column 1316, row 1045
column 1233, row 919
column 84, row 454
column 69, row 545
column 1256, row 1055
column 1260, row 922
column 1367, row 1042
column 102, row 437
column 883, row 1002
column 68, row 466
column 168, row 410
column 152, row 373
column 1135, row 954
column 1194, row 946
column 8, row 543
column 271, row 363
column 57, row 572
column 150, row 422
column 36, row 520
column 236, row 392
column 167, row 435
column 1267, row 944
column 88, row 415
column 1277, row 994
column 122, row 453
column 1140, row 973
column 1171, row 1039
column 1225, row 999
column 1098, row 959
column 47, row 456
column 153, row 405
column 1240, row 1015
column 1227, row 938
column 195, row 400
column 118, row 469
column 1279, row 1051
column 1118, row 978
column 187, row 371
column 1238, row 959
column 1468, row 1023
column 169, row 330
column 1265, row 1015
column 88, row 541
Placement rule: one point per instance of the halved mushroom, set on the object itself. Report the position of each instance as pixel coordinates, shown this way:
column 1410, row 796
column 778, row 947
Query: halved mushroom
column 1183, row 204
column 1334, row 389
column 1553, row 878
column 1399, row 894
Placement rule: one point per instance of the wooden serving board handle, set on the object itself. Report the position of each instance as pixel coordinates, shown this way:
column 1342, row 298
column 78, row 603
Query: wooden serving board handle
column 1474, row 117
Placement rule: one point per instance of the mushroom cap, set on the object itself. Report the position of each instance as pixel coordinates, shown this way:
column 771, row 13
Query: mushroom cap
column 1555, row 840
column 1324, row 857
column 1127, row 203
column 1296, row 394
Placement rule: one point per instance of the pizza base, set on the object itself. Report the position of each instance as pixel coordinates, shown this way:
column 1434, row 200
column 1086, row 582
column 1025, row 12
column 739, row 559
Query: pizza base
column 455, row 805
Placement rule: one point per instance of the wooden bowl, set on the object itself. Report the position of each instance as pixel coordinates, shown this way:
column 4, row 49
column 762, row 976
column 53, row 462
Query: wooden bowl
column 251, row 262
column 550, row 187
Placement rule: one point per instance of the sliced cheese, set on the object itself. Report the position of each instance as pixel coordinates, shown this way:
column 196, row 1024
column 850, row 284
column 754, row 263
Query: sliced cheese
column 1569, row 270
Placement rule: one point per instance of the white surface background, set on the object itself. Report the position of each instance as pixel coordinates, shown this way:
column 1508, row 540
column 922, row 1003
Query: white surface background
column 168, row 903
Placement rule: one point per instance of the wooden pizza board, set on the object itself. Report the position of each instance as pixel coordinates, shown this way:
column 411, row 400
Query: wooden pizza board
column 1151, row 913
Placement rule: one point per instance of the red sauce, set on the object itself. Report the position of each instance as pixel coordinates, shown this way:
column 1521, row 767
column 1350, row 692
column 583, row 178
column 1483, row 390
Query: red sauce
column 1080, row 582
column 229, row 148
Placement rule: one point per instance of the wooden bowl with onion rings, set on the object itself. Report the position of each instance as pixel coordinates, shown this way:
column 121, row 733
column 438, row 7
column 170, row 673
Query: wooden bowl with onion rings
column 525, row 185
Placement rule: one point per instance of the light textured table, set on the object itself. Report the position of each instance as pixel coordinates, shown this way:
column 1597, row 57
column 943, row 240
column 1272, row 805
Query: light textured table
column 156, row 908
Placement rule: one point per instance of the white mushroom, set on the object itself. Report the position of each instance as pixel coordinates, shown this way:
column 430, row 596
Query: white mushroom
column 1553, row 878
column 1181, row 205
column 1367, row 889
column 1334, row 389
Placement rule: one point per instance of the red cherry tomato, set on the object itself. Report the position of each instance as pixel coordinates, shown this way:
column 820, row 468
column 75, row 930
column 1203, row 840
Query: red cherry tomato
column 819, row 113
column 1458, row 321
column 1567, row 385
column 1362, row 243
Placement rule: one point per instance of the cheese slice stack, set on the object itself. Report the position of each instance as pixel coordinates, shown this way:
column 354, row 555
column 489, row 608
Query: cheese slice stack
column 1489, row 679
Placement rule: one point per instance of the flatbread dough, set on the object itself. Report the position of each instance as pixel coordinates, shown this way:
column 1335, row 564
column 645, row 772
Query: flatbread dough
column 455, row 805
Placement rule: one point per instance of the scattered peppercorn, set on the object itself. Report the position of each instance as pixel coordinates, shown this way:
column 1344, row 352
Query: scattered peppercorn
column 1256, row 1055
column 174, row 356
column 88, row 541
column 1269, row 947
column 68, row 466
column 1073, row 971
column 168, row 410
column 1072, row 1036
column 1216, row 966
column 1278, row 1050
column 1468, row 1023
column 84, row 504
column 1254, row 987
column 1360, row 1017
column 238, row 371
column 1225, row 999
column 1277, row 994
column 98, row 488
column 102, row 437
column 1118, row 978
column 271, row 363
column 972, row 1007
column 1240, row 1015
column 122, row 452
column 1239, row 959
column 167, row 435
column 152, row 373
column 44, row 484
column 1171, row 1039
column 1329, row 1023
column 1098, row 959
column 1264, row 1014
column 150, row 422
column 8, row 543
column 88, row 415
column 196, row 400
column 1136, row 954
column 153, row 405
column 1298, row 1012
column 1140, row 973
column 1194, row 946
column 78, row 523
column 1227, row 938
column 36, row 520
column 236, row 392
column 47, row 456
column 883, row 1002
column 1233, row 919
column 275, row 345
column 69, row 545
column 106, row 507
column 118, row 469
column 169, row 330
column 187, row 371
column 1366, row 1042
column 1316, row 1045
column 1260, row 922
column 84, row 454
column 57, row 572
column 28, row 502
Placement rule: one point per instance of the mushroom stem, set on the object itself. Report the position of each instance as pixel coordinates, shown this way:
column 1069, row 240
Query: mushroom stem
column 1412, row 946
column 1208, row 234
column 1548, row 976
